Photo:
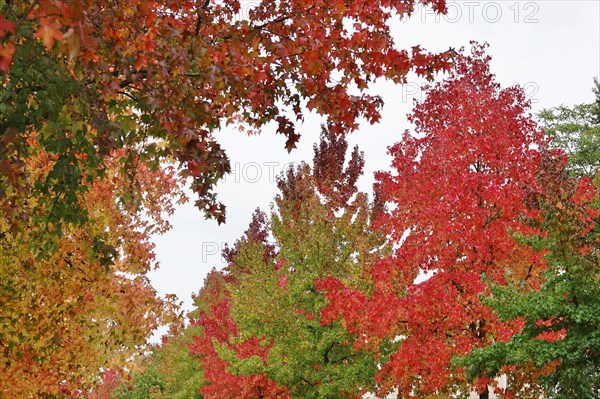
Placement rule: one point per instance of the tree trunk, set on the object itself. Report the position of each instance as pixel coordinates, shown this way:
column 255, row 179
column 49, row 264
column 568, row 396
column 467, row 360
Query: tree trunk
column 485, row 394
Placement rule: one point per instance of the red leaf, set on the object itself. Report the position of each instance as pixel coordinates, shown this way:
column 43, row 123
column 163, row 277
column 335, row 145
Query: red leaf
column 7, row 52
column 6, row 26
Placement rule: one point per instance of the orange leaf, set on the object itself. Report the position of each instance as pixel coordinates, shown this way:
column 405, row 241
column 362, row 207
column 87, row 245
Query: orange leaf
column 49, row 33
column 140, row 61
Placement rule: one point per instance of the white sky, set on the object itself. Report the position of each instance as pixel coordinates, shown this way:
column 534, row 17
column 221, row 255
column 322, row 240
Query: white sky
column 551, row 48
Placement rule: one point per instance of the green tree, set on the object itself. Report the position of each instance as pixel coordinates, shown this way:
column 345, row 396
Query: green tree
column 561, row 330
column 576, row 130
column 320, row 226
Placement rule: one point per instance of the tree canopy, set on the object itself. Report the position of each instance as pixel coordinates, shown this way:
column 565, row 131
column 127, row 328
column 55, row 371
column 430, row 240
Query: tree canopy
column 458, row 196
column 560, row 335
column 576, row 130
column 160, row 78
column 88, row 303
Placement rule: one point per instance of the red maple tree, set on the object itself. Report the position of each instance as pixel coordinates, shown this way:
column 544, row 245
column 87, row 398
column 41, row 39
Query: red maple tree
column 458, row 196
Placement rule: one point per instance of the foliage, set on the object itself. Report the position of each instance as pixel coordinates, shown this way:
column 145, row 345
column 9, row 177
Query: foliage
column 263, row 336
column 561, row 317
column 169, row 371
column 182, row 372
column 89, row 77
column 144, row 385
column 457, row 197
column 99, row 99
column 321, row 227
column 477, row 257
column 218, row 328
column 108, row 382
column 576, row 131
column 87, row 304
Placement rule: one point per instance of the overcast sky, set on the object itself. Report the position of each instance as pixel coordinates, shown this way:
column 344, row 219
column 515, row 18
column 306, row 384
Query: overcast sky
column 551, row 48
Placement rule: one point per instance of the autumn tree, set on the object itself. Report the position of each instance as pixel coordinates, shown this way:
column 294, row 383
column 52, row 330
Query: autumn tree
column 457, row 197
column 560, row 334
column 320, row 226
column 87, row 304
column 217, row 330
column 89, row 77
column 167, row 371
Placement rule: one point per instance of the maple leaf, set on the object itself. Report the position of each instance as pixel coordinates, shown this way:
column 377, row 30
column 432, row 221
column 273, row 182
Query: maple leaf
column 49, row 32
column 286, row 127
